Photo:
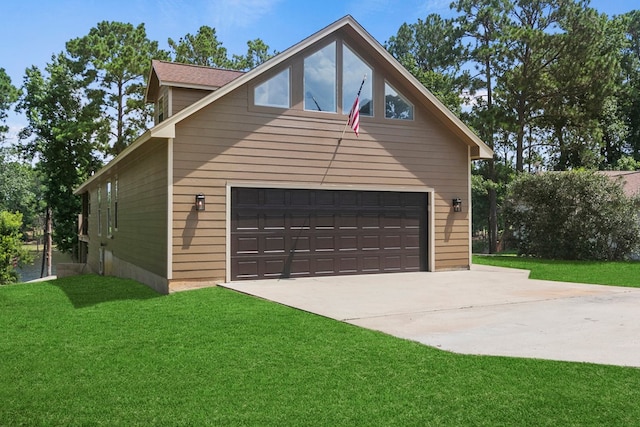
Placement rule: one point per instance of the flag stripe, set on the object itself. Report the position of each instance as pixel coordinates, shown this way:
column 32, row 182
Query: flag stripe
column 354, row 116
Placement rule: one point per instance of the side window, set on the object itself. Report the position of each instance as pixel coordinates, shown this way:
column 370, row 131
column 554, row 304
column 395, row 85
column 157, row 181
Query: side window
column 354, row 70
column 320, row 85
column 109, row 221
column 99, row 211
column 115, row 205
column 396, row 106
column 160, row 108
column 274, row 92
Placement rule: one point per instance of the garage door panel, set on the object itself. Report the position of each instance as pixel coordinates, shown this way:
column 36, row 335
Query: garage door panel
column 326, row 266
column 392, row 263
column 246, row 222
column 247, row 245
column 299, row 233
column 392, row 242
column 275, row 221
column 325, row 222
column 325, row 244
column 245, row 269
column 370, row 243
column 274, row 244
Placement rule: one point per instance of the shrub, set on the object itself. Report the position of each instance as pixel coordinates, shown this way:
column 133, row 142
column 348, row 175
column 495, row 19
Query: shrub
column 572, row 215
column 12, row 254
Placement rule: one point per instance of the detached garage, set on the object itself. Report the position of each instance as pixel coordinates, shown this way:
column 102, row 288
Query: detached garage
column 268, row 174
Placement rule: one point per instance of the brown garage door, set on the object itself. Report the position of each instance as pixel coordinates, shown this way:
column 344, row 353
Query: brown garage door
column 279, row 233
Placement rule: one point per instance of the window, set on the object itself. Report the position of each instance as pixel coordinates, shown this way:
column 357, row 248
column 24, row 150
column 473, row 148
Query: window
column 354, row 70
column 395, row 105
column 115, row 205
column 109, row 222
column 274, row 92
column 320, row 83
column 160, row 109
column 99, row 212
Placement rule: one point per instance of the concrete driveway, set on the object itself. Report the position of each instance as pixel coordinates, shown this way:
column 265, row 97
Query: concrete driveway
column 487, row 310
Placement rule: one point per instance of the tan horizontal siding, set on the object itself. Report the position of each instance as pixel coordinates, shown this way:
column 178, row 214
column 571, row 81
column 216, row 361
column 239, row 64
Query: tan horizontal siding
column 182, row 97
column 227, row 142
column 142, row 209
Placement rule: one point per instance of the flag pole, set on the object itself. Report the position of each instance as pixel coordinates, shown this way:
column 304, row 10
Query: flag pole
column 343, row 131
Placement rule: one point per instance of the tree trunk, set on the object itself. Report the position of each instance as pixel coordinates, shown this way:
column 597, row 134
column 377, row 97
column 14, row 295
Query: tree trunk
column 46, row 247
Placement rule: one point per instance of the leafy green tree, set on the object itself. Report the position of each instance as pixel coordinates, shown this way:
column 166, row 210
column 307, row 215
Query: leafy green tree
column 12, row 253
column 20, row 191
column 627, row 163
column 572, row 215
column 579, row 90
column 65, row 130
column 117, row 58
column 257, row 53
column 629, row 96
column 8, row 95
column 432, row 51
column 202, row 48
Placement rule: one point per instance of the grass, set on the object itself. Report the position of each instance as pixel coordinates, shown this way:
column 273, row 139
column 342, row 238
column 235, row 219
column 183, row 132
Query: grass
column 92, row 350
column 625, row 273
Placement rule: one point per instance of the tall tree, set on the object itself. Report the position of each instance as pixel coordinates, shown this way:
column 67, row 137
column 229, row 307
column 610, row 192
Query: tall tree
column 483, row 23
column 630, row 95
column 432, row 51
column 202, row 48
column 117, row 57
column 65, row 129
column 8, row 95
column 579, row 95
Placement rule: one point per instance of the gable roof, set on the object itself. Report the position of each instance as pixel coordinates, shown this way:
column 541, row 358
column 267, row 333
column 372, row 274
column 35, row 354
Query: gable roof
column 479, row 150
column 166, row 128
column 164, row 73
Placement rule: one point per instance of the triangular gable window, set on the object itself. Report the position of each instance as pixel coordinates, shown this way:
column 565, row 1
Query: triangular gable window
column 396, row 106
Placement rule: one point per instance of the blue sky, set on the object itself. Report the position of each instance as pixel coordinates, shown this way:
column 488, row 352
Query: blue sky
column 33, row 30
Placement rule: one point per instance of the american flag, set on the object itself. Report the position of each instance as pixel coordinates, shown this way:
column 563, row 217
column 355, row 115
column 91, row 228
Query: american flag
column 354, row 115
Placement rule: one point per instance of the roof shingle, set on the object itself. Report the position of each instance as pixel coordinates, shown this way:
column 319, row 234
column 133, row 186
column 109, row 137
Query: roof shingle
column 173, row 73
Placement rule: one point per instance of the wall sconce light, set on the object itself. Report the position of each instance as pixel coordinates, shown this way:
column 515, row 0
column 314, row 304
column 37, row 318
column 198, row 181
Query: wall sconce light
column 457, row 204
column 200, row 202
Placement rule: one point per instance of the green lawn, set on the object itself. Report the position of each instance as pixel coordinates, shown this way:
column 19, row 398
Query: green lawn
column 595, row 272
column 91, row 350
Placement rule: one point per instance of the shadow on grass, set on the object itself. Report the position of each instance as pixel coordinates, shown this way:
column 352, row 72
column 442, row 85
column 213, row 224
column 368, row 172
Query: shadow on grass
column 88, row 290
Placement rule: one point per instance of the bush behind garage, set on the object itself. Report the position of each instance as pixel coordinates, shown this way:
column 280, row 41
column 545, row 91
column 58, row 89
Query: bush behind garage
column 579, row 215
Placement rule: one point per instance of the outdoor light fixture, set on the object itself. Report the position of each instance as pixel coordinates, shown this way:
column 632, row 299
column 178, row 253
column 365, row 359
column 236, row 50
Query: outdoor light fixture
column 457, row 204
column 200, row 202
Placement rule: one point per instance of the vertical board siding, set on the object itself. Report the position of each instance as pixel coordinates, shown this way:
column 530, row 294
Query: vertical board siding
column 228, row 141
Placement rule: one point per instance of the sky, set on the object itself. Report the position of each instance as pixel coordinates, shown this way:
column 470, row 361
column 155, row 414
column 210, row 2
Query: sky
column 34, row 30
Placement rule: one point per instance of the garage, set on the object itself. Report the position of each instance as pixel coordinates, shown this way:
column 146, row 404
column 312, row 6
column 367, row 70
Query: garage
column 286, row 233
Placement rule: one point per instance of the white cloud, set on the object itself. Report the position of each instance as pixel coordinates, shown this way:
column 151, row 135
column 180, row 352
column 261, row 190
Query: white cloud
column 239, row 13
